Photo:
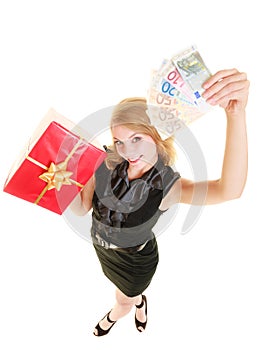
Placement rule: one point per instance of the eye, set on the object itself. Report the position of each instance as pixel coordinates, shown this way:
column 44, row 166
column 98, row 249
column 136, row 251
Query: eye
column 118, row 143
column 136, row 139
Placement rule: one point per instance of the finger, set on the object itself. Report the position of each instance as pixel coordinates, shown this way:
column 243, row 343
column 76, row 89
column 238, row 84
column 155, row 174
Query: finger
column 238, row 95
column 218, row 76
column 228, row 83
column 235, row 98
column 228, row 90
column 220, row 84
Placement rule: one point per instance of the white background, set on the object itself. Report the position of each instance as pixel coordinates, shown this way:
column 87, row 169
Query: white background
column 80, row 56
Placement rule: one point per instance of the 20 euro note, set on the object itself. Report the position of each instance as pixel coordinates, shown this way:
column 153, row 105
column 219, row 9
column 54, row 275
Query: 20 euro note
column 179, row 96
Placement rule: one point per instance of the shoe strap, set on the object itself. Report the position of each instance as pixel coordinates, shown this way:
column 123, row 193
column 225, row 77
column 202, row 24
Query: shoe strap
column 108, row 318
column 141, row 304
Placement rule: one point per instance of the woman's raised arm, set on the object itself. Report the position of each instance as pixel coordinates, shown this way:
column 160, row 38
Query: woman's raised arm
column 228, row 89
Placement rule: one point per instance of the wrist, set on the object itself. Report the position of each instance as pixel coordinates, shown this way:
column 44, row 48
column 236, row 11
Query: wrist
column 236, row 115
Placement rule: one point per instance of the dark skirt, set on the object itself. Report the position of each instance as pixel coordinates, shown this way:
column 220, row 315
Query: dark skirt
column 130, row 272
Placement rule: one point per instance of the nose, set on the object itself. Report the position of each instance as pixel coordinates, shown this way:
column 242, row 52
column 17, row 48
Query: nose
column 129, row 150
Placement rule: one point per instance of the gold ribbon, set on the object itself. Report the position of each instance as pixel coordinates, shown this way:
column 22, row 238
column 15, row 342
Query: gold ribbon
column 56, row 175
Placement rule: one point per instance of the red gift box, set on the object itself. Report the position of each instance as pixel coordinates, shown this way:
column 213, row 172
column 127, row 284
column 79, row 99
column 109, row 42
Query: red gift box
column 54, row 171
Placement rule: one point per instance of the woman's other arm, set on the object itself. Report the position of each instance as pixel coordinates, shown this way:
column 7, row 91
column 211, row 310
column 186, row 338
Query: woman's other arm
column 82, row 203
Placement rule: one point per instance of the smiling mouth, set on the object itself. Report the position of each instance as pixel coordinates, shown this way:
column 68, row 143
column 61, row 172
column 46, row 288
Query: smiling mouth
column 134, row 160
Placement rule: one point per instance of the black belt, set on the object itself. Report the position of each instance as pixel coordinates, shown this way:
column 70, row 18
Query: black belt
column 97, row 239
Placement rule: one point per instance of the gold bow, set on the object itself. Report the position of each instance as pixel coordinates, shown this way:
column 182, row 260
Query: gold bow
column 56, row 176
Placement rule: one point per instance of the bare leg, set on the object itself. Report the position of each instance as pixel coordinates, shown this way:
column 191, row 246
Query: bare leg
column 123, row 306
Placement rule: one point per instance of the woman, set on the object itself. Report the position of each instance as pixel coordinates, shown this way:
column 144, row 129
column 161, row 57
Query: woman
column 136, row 184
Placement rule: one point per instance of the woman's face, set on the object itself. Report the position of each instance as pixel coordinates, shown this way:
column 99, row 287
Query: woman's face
column 137, row 148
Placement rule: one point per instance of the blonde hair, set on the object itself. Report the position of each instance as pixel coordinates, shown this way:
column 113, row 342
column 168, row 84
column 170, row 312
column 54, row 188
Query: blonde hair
column 132, row 112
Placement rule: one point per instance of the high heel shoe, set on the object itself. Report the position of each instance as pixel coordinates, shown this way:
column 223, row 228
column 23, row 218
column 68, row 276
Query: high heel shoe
column 137, row 322
column 101, row 331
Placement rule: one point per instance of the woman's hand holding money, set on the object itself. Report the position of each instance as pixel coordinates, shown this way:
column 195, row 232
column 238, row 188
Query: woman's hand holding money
column 229, row 89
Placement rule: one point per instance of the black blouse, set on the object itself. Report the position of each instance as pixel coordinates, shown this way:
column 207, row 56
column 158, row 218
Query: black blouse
column 125, row 211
